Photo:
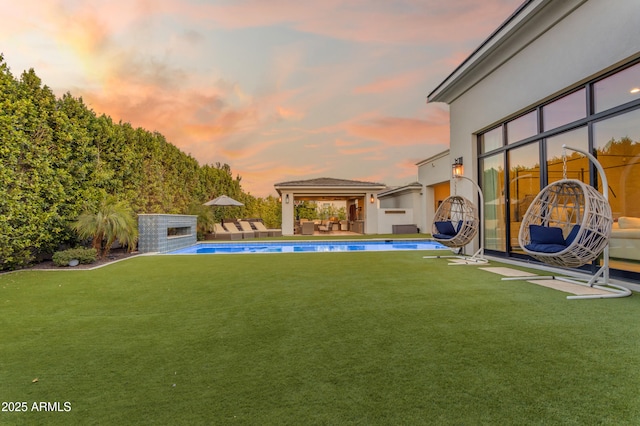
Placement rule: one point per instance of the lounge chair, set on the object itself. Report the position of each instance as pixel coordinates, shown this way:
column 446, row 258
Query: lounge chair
column 222, row 234
column 231, row 227
column 246, row 225
column 272, row 232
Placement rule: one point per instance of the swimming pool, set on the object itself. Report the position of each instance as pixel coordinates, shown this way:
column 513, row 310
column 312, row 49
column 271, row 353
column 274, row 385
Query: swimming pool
column 308, row 246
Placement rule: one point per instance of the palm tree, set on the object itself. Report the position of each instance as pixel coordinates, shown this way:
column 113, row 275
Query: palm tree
column 114, row 220
column 205, row 218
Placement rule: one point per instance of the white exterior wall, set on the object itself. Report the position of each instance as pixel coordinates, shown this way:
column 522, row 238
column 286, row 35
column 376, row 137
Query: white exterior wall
column 386, row 221
column 409, row 199
column 370, row 213
column 405, row 199
column 430, row 173
column 594, row 38
column 397, row 201
column 419, row 210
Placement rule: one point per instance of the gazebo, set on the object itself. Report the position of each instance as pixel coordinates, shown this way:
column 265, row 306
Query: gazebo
column 360, row 197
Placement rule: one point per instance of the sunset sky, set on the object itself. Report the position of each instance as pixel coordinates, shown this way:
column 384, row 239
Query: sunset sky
column 278, row 89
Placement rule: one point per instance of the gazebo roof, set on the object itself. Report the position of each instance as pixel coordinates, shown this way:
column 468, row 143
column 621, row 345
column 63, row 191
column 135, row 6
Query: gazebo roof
column 329, row 182
column 325, row 188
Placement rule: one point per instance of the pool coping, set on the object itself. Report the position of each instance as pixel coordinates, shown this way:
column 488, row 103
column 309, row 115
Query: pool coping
column 258, row 242
column 102, row 265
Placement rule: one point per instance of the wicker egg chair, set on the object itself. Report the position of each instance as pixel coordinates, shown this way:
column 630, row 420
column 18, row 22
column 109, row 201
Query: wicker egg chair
column 568, row 224
column 456, row 222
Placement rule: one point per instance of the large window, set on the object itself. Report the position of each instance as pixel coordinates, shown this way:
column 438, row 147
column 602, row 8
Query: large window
column 524, row 185
column 565, row 110
column 602, row 117
column 616, row 141
column 618, row 89
column 577, row 165
column 491, row 140
column 494, row 202
column 522, row 127
column 617, row 144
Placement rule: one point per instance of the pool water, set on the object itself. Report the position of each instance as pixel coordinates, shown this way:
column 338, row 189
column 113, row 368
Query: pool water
column 308, row 246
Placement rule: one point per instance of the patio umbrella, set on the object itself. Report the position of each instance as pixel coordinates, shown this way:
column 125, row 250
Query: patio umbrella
column 223, row 201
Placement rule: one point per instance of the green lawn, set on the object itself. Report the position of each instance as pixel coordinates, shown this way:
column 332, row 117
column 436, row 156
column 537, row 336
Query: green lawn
column 317, row 338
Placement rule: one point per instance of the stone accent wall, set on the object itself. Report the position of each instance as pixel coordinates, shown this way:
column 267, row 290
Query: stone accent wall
column 154, row 232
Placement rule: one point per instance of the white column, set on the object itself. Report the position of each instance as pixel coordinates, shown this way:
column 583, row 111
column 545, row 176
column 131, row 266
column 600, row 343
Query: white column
column 287, row 213
column 370, row 214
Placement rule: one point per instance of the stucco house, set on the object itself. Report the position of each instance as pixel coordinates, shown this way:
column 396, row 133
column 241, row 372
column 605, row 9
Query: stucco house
column 422, row 197
column 554, row 73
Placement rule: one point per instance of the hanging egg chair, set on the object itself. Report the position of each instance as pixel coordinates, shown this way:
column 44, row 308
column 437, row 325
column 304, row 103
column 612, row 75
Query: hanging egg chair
column 568, row 224
column 456, row 222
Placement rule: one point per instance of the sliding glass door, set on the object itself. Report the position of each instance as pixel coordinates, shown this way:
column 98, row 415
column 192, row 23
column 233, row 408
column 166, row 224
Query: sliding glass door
column 494, row 202
column 524, row 185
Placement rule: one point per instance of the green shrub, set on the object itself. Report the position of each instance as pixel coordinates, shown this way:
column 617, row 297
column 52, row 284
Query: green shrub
column 84, row 255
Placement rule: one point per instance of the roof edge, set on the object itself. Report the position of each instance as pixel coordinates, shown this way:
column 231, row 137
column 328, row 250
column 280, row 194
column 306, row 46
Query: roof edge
column 413, row 186
column 434, row 157
column 324, row 182
column 432, row 97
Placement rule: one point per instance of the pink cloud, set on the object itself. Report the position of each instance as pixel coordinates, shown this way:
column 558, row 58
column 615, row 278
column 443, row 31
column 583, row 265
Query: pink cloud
column 261, row 177
column 402, row 131
column 453, row 60
column 357, row 148
column 200, row 116
column 298, row 117
column 389, row 84
column 410, row 21
column 342, row 142
column 406, row 169
column 290, row 113
column 357, row 151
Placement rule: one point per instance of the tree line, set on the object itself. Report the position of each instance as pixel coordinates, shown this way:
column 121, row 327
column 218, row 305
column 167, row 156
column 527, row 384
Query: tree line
column 60, row 159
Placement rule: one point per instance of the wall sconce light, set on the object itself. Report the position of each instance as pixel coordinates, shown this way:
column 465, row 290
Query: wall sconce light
column 371, row 199
column 457, row 168
column 286, row 199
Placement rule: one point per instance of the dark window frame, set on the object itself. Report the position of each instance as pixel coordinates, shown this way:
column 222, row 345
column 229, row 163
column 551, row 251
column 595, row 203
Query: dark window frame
column 588, row 122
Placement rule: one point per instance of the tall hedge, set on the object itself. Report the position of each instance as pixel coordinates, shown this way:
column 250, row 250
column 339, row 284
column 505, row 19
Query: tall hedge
column 57, row 156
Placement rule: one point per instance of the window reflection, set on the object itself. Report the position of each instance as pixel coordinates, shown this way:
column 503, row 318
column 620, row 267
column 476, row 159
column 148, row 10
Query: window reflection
column 565, row 110
column 617, row 89
column 522, row 127
column 494, row 210
column 577, row 164
column 524, row 185
column 491, row 140
column 616, row 140
column 617, row 144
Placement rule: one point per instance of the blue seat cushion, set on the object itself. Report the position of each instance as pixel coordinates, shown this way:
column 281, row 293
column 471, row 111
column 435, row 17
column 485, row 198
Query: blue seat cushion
column 572, row 235
column 545, row 248
column 443, row 236
column 445, row 228
column 546, row 235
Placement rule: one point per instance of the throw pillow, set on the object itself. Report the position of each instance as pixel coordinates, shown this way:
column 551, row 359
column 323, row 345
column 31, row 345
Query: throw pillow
column 629, row 222
column 445, row 227
column 546, row 234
